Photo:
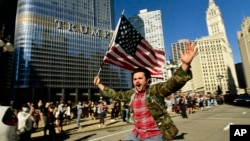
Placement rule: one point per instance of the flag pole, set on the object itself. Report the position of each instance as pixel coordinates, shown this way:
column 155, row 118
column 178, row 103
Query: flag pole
column 112, row 41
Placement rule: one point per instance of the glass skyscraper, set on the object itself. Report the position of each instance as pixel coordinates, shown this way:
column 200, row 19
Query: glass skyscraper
column 59, row 45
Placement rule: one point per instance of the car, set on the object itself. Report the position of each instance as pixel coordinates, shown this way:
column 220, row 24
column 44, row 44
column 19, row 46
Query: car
column 242, row 99
column 8, row 124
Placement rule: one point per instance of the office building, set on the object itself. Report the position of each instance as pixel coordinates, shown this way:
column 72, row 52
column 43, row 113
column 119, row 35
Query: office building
column 241, row 78
column 59, row 46
column 149, row 25
column 213, row 67
column 244, row 45
column 175, row 51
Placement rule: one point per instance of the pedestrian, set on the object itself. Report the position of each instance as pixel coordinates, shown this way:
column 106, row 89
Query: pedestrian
column 190, row 103
column 85, row 111
column 32, row 107
column 51, row 123
column 92, row 109
column 101, row 111
column 61, row 114
column 117, row 109
column 143, row 96
column 37, row 119
column 183, row 106
column 79, row 108
column 44, row 113
column 112, row 105
column 13, row 106
column 169, row 103
column 68, row 112
column 25, row 123
column 125, row 113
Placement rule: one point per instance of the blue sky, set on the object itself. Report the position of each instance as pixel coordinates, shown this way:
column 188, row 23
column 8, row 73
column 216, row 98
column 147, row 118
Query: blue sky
column 186, row 19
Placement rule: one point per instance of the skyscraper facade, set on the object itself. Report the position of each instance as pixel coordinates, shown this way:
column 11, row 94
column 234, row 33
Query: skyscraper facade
column 149, row 25
column 244, row 45
column 175, row 51
column 59, row 45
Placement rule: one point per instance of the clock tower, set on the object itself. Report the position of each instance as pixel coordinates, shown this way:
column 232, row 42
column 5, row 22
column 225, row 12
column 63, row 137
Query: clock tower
column 214, row 21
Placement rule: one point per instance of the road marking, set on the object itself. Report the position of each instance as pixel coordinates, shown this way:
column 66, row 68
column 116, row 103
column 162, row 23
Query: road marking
column 110, row 135
column 228, row 126
column 244, row 113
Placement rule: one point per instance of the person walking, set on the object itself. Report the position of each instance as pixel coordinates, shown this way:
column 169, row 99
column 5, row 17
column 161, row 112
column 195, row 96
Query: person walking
column 142, row 98
column 112, row 106
column 183, row 106
column 117, row 109
column 25, row 123
column 61, row 114
column 68, row 113
column 37, row 116
column 190, row 103
column 79, row 108
column 169, row 103
column 101, row 111
column 44, row 113
column 51, row 123
column 92, row 109
column 125, row 113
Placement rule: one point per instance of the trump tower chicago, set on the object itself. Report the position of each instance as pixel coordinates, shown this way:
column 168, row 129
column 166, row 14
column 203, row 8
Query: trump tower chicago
column 59, row 47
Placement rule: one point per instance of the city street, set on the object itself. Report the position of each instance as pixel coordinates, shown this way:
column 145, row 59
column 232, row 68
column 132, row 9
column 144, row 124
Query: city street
column 209, row 125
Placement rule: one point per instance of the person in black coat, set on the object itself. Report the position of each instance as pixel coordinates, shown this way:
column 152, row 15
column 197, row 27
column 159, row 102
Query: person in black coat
column 51, row 124
column 183, row 106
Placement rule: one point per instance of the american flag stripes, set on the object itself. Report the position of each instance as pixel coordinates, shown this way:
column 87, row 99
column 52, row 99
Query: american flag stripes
column 129, row 50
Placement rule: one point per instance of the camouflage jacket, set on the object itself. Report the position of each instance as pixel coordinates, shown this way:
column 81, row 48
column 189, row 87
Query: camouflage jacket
column 155, row 93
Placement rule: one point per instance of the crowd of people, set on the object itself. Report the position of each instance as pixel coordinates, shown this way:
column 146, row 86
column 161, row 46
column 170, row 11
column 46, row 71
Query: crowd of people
column 56, row 115
column 188, row 103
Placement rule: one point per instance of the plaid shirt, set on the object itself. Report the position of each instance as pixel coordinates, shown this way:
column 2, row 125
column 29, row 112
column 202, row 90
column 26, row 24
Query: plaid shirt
column 145, row 125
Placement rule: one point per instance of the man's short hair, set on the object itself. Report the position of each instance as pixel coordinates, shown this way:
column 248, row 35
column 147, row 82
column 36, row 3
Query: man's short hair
column 144, row 70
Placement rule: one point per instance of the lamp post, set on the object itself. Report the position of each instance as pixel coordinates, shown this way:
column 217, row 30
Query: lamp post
column 219, row 77
column 6, row 49
column 5, row 45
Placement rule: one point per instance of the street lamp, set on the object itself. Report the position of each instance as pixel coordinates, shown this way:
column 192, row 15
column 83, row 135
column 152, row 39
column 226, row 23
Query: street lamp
column 170, row 69
column 6, row 49
column 219, row 77
column 5, row 45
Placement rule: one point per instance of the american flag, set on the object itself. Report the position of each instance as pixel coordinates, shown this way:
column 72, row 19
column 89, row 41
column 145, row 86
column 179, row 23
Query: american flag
column 129, row 50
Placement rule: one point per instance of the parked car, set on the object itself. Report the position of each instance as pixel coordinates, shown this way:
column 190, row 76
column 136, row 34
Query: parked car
column 243, row 99
column 8, row 124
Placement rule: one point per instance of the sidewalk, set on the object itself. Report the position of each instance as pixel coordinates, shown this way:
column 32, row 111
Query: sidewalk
column 87, row 125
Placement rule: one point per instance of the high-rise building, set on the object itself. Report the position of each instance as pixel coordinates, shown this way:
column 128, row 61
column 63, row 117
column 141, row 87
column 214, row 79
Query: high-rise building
column 244, row 45
column 149, row 25
column 241, row 78
column 59, row 46
column 175, row 51
column 213, row 67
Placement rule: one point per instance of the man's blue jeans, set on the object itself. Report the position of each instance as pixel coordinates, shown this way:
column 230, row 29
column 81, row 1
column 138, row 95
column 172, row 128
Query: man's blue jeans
column 78, row 120
column 131, row 137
